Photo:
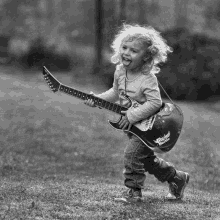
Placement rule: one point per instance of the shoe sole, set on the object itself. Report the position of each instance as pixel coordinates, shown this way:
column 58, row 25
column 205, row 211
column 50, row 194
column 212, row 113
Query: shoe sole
column 128, row 200
column 122, row 200
column 185, row 184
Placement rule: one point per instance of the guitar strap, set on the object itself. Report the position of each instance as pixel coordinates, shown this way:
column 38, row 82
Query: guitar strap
column 159, row 85
column 126, row 85
column 165, row 92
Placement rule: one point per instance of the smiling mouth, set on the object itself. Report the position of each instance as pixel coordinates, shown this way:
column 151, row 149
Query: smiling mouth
column 126, row 61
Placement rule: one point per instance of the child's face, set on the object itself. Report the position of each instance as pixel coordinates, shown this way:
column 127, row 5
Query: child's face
column 133, row 53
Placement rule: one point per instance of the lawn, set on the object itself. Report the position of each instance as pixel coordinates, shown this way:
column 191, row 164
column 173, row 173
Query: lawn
column 59, row 159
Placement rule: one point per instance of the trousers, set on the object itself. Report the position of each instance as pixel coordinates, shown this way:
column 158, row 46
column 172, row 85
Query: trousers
column 139, row 159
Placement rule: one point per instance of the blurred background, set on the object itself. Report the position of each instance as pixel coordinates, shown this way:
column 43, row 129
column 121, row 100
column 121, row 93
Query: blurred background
column 44, row 135
column 75, row 36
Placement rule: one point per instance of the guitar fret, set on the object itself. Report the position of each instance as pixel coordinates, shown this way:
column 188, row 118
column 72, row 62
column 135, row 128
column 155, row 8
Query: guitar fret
column 65, row 89
column 96, row 100
column 71, row 91
column 61, row 88
column 103, row 103
column 100, row 102
column 88, row 96
column 83, row 96
column 118, row 109
column 114, row 107
column 111, row 106
column 107, row 105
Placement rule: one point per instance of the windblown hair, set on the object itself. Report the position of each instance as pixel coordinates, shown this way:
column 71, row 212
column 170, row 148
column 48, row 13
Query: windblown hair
column 157, row 46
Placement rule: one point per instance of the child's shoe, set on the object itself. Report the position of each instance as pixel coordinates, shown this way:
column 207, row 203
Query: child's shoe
column 128, row 193
column 137, row 195
column 131, row 195
column 177, row 185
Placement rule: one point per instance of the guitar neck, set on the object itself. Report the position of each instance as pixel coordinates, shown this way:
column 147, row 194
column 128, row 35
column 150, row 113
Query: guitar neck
column 98, row 101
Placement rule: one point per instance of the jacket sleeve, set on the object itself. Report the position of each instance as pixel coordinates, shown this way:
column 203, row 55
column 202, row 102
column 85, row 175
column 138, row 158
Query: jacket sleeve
column 152, row 93
column 111, row 95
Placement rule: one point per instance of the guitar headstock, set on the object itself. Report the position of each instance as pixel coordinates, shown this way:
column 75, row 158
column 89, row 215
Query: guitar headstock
column 52, row 82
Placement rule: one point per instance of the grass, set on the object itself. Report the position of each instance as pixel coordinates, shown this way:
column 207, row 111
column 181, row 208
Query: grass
column 79, row 196
column 59, row 159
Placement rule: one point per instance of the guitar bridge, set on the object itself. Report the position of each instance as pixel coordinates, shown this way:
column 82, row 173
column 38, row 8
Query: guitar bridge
column 150, row 122
column 147, row 124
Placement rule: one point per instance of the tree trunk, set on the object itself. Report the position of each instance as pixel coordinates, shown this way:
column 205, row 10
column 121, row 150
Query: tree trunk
column 122, row 12
column 99, row 36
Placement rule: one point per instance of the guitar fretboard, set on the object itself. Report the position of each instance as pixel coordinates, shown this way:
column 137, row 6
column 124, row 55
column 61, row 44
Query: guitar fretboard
column 98, row 101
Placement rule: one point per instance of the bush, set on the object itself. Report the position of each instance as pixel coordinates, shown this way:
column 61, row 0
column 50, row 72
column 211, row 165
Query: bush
column 34, row 54
column 193, row 66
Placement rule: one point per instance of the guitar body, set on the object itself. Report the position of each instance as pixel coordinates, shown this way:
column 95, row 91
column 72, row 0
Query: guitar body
column 159, row 132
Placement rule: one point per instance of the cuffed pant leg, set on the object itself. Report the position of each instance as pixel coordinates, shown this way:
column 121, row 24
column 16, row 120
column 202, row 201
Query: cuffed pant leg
column 158, row 167
column 135, row 154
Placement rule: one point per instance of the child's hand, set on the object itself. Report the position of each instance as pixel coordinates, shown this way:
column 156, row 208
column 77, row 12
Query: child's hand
column 90, row 102
column 124, row 122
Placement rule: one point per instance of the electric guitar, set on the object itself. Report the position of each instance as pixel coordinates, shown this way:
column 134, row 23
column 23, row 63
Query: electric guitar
column 159, row 132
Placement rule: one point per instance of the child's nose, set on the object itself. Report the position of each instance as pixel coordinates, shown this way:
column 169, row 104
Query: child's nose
column 126, row 51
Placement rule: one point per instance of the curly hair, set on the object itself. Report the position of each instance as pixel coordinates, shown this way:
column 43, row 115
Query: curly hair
column 156, row 44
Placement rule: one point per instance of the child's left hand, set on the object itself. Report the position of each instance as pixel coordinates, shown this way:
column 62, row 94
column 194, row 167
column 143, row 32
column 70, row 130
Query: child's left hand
column 124, row 122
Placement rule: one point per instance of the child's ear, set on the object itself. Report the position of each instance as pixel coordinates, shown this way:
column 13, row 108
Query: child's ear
column 145, row 59
column 151, row 52
column 148, row 58
column 154, row 51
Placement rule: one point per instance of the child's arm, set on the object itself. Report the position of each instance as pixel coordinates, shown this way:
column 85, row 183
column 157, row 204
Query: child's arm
column 110, row 95
column 151, row 90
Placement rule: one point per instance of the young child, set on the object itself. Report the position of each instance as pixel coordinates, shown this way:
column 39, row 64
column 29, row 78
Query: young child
column 137, row 51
